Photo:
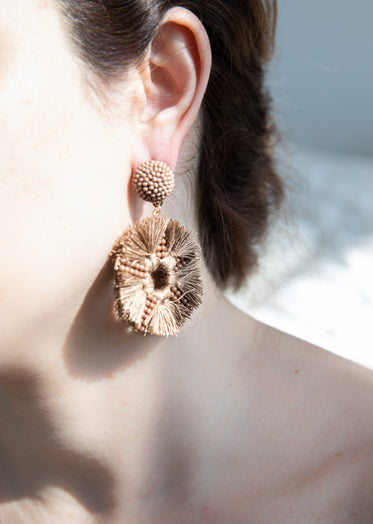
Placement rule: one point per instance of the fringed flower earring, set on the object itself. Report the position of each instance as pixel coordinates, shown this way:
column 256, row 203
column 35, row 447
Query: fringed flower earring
column 157, row 282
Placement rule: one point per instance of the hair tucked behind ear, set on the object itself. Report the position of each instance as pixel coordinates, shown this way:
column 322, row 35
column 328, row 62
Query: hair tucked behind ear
column 238, row 186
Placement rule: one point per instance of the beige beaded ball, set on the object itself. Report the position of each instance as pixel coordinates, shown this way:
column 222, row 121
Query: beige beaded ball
column 153, row 181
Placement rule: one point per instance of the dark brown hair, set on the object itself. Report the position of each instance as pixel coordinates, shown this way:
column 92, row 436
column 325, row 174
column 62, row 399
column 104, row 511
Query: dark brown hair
column 238, row 185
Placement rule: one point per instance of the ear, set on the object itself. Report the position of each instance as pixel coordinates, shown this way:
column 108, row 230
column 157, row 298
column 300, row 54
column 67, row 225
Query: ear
column 174, row 78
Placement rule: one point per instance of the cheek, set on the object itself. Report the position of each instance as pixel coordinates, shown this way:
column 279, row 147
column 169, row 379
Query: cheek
column 62, row 202
column 61, row 207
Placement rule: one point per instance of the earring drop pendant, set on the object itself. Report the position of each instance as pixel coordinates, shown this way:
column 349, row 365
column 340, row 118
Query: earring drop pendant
column 157, row 278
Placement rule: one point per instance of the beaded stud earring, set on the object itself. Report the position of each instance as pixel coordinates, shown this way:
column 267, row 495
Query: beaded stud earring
column 157, row 280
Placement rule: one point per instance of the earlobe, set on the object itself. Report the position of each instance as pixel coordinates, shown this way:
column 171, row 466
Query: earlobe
column 174, row 79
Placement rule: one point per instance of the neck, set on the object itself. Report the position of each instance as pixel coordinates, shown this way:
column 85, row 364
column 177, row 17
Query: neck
column 110, row 417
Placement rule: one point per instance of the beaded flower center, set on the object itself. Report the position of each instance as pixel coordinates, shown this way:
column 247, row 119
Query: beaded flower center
column 161, row 277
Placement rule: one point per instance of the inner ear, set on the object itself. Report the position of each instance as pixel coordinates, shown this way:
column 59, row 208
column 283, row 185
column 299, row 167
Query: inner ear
column 164, row 92
column 172, row 63
column 173, row 76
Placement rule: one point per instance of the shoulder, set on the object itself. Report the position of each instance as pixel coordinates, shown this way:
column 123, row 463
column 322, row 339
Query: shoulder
column 325, row 409
column 349, row 384
column 329, row 388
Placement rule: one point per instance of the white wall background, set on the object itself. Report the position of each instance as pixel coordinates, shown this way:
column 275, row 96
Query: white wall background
column 322, row 74
column 315, row 279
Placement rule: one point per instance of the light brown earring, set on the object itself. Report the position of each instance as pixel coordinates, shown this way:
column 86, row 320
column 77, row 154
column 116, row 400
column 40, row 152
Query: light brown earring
column 157, row 278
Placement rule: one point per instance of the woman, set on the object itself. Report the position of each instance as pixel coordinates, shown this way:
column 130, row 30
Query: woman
column 232, row 421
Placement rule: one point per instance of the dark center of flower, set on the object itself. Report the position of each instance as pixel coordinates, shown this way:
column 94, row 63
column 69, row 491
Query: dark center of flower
column 160, row 277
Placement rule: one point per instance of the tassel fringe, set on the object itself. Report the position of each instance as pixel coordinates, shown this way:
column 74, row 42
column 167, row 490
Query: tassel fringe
column 157, row 282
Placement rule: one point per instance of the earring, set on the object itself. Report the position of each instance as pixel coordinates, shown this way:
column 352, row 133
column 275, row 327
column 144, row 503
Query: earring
column 157, row 278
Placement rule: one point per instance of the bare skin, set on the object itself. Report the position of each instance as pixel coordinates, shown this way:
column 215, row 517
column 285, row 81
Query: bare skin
column 236, row 422
column 230, row 422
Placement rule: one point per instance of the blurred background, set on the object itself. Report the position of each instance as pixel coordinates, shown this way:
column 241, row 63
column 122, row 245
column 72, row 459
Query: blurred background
column 315, row 279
